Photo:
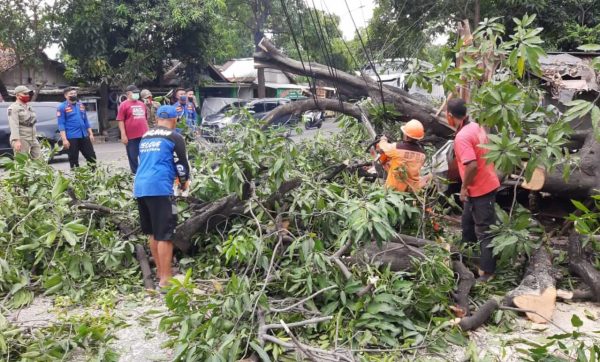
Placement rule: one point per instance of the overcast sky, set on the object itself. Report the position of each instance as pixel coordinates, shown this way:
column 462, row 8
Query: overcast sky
column 361, row 10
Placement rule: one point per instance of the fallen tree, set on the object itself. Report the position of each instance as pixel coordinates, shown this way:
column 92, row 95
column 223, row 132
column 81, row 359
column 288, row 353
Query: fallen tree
column 347, row 84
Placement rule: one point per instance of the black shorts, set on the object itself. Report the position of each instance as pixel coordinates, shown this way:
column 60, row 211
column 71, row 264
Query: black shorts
column 158, row 216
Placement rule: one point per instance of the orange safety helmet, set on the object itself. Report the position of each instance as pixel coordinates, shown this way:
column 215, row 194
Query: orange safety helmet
column 413, row 129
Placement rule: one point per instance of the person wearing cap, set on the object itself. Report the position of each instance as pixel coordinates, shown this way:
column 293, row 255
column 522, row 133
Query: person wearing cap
column 186, row 111
column 151, row 107
column 21, row 120
column 479, row 184
column 163, row 158
column 405, row 159
column 75, row 131
column 133, row 124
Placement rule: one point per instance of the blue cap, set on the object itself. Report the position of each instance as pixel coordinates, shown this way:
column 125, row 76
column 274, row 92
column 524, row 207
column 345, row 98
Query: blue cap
column 166, row 112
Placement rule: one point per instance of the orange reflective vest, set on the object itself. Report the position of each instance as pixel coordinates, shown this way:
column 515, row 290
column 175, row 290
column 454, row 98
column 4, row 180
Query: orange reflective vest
column 404, row 162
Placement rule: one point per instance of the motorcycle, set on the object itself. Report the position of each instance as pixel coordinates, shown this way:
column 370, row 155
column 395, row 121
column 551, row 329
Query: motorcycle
column 313, row 119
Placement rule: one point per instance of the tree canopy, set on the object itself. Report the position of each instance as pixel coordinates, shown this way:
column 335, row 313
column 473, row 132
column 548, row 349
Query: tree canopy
column 404, row 28
column 125, row 41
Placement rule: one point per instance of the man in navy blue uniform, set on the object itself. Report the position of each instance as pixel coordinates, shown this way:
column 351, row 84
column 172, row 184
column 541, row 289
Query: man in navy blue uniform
column 75, row 131
column 163, row 158
column 186, row 110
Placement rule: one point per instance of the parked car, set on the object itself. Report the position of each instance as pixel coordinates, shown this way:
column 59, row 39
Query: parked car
column 259, row 108
column 46, row 126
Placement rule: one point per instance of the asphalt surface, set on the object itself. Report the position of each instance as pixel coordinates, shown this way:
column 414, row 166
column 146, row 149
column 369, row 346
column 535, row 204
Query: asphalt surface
column 113, row 154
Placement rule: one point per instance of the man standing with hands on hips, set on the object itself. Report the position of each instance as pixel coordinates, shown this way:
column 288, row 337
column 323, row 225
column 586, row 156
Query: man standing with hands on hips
column 132, row 124
column 75, row 130
column 479, row 184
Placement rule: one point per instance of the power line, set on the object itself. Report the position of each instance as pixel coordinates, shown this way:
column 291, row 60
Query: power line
column 287, row 16
column 362, row 43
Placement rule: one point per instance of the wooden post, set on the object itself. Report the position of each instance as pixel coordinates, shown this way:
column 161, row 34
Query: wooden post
column 262, row 91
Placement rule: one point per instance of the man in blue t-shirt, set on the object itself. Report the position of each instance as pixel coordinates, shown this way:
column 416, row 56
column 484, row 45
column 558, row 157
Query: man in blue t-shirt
column 75, row 130
column 163, row 158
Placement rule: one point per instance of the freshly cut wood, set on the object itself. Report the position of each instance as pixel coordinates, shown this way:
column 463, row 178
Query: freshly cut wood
column 580, row 266
column 576, row 295
column 537, row 180
column 537, row 291
column 543, row 304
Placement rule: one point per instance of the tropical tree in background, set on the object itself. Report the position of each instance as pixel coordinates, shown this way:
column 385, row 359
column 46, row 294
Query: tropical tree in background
column 405, row 28
column 28, row 27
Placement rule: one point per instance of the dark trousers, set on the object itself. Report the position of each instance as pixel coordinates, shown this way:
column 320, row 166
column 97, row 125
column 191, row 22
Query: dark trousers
column 478, row 214
column 133, row 153
column 83, row 145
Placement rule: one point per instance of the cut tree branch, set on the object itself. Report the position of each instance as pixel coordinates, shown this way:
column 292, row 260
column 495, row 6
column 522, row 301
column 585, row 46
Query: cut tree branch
column 580, row 266
column 466, row 280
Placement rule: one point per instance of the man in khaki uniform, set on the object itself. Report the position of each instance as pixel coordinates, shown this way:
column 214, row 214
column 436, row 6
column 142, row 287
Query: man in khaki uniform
column 151, row 107
column 22, row 119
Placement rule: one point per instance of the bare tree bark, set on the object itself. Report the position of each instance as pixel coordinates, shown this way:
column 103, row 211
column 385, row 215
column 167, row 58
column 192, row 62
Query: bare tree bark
column 36, row 91
column 583, row 180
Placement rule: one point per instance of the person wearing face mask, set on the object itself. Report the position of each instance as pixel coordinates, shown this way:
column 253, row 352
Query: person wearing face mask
column 151, row 107
column 185, row 109
column 191, row 96
column 479, row 184
column 75, row 130
column 133, row 124
column 21, row 120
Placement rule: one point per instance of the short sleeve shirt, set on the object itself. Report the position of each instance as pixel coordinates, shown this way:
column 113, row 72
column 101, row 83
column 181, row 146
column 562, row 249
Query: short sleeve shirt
column 133, row 114
column 467, row 147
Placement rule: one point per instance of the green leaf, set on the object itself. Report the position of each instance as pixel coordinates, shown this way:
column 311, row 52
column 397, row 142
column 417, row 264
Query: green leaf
column 576, row 321
column 580, row 206
column 260, row 351
column 589, row 47
column 375, row 308
column 71, row 238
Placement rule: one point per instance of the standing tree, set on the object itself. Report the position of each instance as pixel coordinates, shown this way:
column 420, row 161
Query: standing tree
column 120, row 42
column 28, row 27
column 402, row 28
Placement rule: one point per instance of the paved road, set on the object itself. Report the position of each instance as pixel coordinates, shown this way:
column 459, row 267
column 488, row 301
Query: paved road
column 113, row 154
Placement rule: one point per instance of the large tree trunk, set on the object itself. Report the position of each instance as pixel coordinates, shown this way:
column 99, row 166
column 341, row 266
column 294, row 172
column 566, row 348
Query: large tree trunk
column 353, row 86
column 103, row 107
column 3, row 91
column 583, row 180
column 537, row 291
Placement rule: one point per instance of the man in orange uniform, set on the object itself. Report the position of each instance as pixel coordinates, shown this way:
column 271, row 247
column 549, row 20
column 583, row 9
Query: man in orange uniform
column 404, row 159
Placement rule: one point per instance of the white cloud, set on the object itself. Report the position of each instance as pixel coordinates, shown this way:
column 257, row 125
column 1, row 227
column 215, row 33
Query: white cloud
column 361, row 10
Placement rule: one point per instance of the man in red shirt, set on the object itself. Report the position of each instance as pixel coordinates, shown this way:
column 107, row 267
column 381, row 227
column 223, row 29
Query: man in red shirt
column 132, row 124
column 479, row 184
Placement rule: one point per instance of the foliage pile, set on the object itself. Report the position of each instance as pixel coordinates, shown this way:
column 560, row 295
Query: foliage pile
column 49, row 244
column 274, row 263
